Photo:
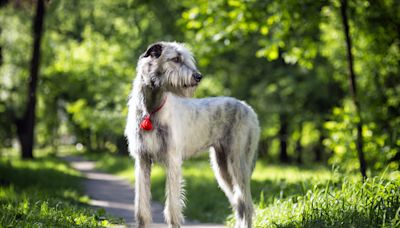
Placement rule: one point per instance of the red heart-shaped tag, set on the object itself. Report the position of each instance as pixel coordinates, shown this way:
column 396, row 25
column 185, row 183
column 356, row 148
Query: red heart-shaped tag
column 146, row 124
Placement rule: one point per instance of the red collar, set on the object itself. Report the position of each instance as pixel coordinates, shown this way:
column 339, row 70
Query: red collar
column 146, row 122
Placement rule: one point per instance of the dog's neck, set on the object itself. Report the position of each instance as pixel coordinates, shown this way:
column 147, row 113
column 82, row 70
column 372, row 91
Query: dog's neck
column 152, row 98
column 148, row 98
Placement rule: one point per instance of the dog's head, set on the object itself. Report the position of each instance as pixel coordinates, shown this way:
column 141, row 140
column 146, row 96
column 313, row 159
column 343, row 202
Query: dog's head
column 169, row 66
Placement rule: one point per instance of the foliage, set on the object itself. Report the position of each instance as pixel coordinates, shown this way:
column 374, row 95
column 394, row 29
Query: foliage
column 13, row 70
column 87, row 68
column 373, row 72
column 44, row 192
column 342, row 139
column 285, row 58
column 305, row 75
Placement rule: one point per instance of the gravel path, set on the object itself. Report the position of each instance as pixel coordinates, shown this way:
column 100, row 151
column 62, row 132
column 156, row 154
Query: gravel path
column 116, row 195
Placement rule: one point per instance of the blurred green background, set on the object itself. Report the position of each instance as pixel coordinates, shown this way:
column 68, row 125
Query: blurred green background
column 288, row 59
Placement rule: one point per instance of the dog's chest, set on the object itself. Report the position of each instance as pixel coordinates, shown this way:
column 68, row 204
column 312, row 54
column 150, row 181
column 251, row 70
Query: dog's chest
column 156, row 140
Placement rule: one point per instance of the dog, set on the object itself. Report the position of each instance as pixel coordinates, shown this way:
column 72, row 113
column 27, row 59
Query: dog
column 166, row 125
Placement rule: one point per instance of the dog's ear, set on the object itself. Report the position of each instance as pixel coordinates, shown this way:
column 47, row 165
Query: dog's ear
column 154, row 51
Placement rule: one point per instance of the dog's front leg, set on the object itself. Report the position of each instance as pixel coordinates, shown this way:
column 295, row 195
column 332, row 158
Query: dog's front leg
column 142, row 190
column 175, row 201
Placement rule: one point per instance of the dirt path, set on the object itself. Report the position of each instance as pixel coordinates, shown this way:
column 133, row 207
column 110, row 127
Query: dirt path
column 116, row 195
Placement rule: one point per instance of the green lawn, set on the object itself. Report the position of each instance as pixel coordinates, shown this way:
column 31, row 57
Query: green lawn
column 375, row 203
column 44, row 193
column 284, row 195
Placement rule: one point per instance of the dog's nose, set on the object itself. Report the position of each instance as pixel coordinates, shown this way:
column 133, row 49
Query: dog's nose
column 197, row 76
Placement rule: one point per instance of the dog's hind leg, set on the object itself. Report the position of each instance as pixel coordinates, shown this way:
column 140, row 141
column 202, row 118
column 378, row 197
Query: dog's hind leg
column 219, row 164
column 142, row 190
column 174, row 192
column 240, row 171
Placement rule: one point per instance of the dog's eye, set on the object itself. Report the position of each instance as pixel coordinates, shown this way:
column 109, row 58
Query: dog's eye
column 176, row 59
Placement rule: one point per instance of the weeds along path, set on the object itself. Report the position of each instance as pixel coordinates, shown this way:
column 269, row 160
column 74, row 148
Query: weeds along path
column 116, row 196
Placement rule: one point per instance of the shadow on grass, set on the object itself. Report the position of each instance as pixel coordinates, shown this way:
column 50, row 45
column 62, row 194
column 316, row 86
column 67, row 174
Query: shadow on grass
column 44, row 192
column 45, row 176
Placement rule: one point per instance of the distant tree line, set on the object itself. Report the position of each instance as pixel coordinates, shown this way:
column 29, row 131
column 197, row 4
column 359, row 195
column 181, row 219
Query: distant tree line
column 323, row 76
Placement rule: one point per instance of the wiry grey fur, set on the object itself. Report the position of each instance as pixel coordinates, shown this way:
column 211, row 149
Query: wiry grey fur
column 183, row 127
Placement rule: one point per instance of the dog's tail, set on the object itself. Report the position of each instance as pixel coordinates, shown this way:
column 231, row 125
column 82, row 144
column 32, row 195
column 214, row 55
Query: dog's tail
column 256, row 138
column 253, row 164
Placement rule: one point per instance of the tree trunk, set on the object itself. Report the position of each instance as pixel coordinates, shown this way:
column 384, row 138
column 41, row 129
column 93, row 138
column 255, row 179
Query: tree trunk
column 299, row 151
column 26, row 125
column 283, row 131
column 319, row 149
column 353, row 89
column 299, row 147
column 263, row 148
column 3, row 2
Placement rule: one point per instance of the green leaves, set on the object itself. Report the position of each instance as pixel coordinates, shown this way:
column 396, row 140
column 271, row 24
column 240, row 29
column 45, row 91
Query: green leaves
column 283, row 57
column 271, row 53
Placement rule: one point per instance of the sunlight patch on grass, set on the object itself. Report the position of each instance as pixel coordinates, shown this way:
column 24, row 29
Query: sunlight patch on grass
column 290, row 173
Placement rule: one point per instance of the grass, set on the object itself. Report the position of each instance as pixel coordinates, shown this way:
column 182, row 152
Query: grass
column 284, row 195
column 44, row 192
column 275, row 181
column 374, row 203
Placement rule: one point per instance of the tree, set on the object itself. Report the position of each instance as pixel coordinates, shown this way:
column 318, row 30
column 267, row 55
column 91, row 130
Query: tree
column 94, row 60
column 283, row 38
column 353, row 89
column 26, row 124
column 286, row 58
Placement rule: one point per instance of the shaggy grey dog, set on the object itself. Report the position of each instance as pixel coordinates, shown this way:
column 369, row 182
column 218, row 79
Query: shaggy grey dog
column 166, row 125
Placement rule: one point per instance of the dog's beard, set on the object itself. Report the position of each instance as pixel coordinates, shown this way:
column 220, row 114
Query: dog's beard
column 189, row 91
column 181, row 86
column 186, row 91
